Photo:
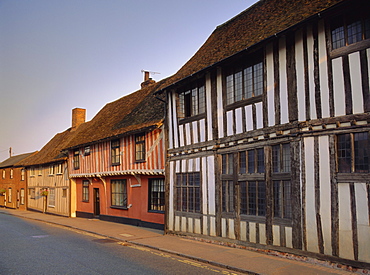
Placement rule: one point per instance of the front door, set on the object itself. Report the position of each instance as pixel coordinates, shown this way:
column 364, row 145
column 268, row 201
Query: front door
column 96, row 202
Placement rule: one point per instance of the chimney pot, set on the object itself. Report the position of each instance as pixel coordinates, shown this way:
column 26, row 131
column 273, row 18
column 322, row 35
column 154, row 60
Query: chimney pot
column 78, row 117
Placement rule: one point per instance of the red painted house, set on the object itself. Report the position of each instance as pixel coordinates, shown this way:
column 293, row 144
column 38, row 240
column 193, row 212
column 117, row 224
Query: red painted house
column 116, row 161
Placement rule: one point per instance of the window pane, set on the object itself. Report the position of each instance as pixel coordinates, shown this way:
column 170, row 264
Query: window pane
column 286, row 158
column 287, row 199
column 252, row 198
column 202, row 100
column 248, row 82
column 344, row 153
column 276, row 158
column 354, row 32
column 243, row 197
column 277, row 198
column 361, row 144
column 261, row 198
column 238, row 86
column 260, row 161
column 194, row 101
column 258, row 79
column 230, row 89
column 242, row 163
column 251, row 162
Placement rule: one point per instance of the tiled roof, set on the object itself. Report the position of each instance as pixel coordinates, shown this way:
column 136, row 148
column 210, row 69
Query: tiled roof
column 133, row 112
column 15, row 160
column 261, row 21
column 51, row 152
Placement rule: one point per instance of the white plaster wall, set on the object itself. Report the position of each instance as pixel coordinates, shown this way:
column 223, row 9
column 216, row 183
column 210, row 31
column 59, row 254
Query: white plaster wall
column 323, row 70
column 356, row 82
column 345, row 223
column 270, row 85
column 284, row 108
column 363, row 225
column 301, row 95
column 338, row 86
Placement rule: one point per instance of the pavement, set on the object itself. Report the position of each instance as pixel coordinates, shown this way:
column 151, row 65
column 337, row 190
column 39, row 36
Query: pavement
column 235, row 259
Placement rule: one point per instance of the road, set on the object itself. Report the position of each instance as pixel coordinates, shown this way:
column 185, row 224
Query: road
column 32, row 247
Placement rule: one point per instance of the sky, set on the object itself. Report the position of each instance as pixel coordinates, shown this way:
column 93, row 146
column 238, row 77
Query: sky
column 56, row 55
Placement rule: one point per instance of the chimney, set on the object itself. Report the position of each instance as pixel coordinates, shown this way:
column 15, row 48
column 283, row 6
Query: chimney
column 78, row 117
column 147, row 80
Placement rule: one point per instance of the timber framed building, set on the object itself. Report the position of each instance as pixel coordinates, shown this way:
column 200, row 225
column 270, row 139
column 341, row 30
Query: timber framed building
column 116, row 161
column 268, row 131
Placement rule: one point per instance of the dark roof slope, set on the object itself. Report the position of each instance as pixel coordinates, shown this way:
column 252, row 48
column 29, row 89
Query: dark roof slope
column 15, row 160
column 257, row 23
column 133, row 112
column 51, row 152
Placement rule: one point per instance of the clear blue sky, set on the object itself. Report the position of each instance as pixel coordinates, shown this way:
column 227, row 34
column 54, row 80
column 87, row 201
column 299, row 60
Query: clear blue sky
column 56, row 55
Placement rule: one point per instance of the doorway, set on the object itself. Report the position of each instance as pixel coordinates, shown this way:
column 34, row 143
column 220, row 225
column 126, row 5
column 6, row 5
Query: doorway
column 96, row 202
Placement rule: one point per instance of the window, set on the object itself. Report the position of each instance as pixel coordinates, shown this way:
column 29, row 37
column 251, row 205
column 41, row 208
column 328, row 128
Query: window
column 353, row 152
column 32, row 171
column 188, row 192
column 115, row 152
column 227, row 164
column 244, row 83
column 85, row 191
column 10, row 195
column 22, row 196
column 76, row 159
column 350, row 28
column 59, row 168
column 192, row 101
column 32, row 193
column 64, row 193
column 156, row 195
column 87, row 150
column 253, row 198
column 11, row 173
column 40, row 170
column 140, row 147
column 119, row 193
column 281, row 158
column 51, row 197
column 22, row 174
column 3, row 174
column 282, row 199
column 252, row 161
column 51, row 170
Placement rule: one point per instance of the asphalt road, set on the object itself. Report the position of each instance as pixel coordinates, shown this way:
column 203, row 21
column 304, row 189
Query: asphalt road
column 31, row 247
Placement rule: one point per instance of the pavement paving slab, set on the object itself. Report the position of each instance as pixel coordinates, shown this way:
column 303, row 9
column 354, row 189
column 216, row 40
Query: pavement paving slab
column 241, row 260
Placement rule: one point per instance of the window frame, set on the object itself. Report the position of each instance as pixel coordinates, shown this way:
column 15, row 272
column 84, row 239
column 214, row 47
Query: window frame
column 156, row 198
column 191, row 102
column 23, row 173
column 85, row 191
column 76, row 159
column 191, row 200
column 51, row 197
column 115, row 152
column 140, row 152
column 116, row 195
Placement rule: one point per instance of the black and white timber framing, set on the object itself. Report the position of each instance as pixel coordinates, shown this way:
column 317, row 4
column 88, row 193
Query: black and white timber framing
column 311, row 94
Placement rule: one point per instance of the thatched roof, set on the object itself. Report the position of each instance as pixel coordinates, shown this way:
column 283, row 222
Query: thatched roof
column 261, row 21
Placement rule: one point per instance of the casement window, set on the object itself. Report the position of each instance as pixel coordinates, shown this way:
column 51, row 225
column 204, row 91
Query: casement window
column 353, row 153
column 253, row 198
column 59, row 169
column 32, row 172
column 192, row 101
column 76, row 159
column 156, row 195
column 51, row 197
column 140, row 147
column 22, row 174
column 85, row 191
column 32, row 193
column 87, row 150
column 119, row 193
column 51, row 170
column 252, row 161
column 228, row 195
column 227, row 164
column 10, row 197
column 244, row 83
column 350, row 28
column 22, row 200
column 188, row 192
column 11, row 173
column 281, row 181
column 115, row 152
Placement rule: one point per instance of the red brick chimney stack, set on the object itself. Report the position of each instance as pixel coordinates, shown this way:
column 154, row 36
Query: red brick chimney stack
column 147, row 80
column 78, row 117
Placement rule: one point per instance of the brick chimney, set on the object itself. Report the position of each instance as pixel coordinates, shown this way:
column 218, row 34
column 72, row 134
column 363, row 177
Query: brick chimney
column 78, row 117
column 147, row 80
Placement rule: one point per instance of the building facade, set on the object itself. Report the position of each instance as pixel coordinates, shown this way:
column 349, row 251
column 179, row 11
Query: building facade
column 13, row 182
column 268, row 131
column 116, row 162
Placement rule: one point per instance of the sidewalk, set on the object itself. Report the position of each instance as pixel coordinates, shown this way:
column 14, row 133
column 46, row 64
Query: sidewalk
column 241, row 260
